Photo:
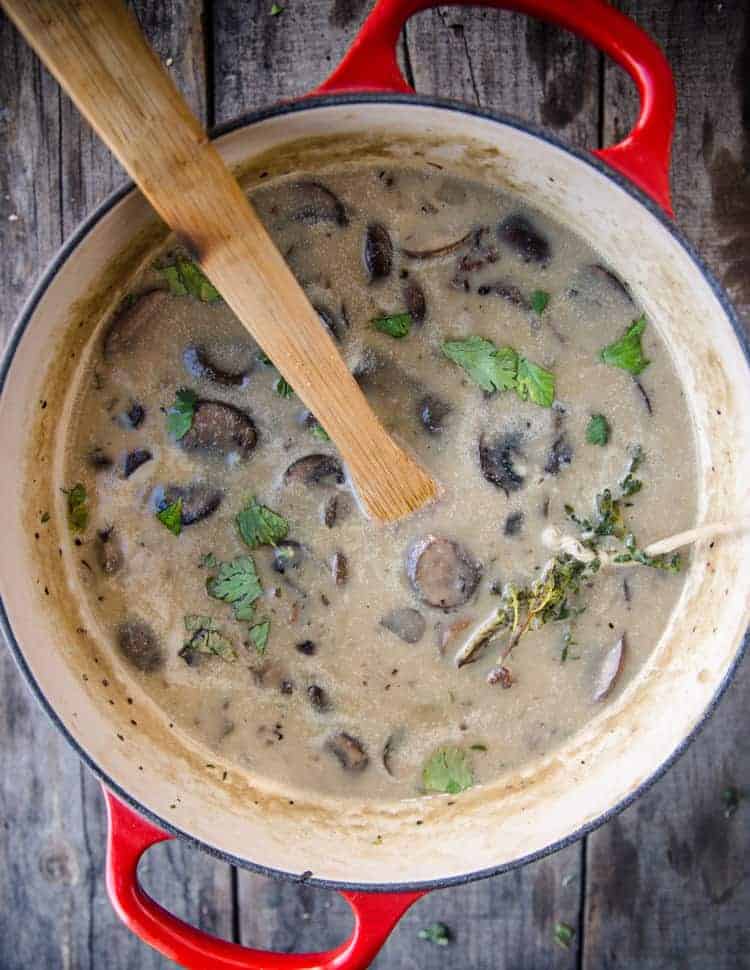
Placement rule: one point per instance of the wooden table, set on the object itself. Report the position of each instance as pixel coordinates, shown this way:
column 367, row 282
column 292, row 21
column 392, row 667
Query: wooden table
column 664, row 885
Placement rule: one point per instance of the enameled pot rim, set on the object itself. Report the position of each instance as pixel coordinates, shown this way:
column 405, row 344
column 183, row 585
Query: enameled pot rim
column 68, row 249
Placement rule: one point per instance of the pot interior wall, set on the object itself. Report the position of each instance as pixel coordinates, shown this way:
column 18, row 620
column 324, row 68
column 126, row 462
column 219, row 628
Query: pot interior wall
column 429, row 838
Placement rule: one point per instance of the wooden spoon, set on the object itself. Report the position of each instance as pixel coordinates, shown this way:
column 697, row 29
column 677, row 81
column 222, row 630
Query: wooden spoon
column 98, row 54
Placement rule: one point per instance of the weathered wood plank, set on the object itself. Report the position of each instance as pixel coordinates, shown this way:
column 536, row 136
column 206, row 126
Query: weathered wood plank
column 259, row 58
column 53, row 907
column 668, row 880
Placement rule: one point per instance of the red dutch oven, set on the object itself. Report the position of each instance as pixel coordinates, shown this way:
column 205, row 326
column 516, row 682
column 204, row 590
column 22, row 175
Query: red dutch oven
column 383, row 857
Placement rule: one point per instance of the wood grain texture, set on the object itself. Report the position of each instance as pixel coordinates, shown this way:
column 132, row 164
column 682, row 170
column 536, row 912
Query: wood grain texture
column 54, row 911
column 669, row 880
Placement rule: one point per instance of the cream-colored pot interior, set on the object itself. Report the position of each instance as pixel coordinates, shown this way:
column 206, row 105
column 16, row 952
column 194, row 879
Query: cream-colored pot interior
column 423, row 839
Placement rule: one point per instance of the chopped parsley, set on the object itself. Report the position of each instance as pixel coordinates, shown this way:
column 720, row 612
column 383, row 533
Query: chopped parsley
column 539, row 301
column 276, row 9
column 186, row 278
column 180, row 414
column 597, row 430
column 205, row 637
column 502, row 369
column 319, row 432
column 236, row 583
column 564, row 935
column 260, row 526
column 171, row 517
column 208, row 561
column 283, row 389
column 630, row 485
column 627, row 352
column 448, row 770
column 78, row 512
column 259, row 635
column 397, row 325
column 437, row 933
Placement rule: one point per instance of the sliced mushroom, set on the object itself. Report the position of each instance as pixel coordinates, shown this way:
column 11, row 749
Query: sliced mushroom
column 339, row 568
column 445, row 249
column 133, row 417
column 496, row 461
column 199, row 500
column 287, row 555
column 198, row 364
column 378, row 252
column 441, row 572
column 560, row 455
column 137, row 642
column 330, row 511
column 406, row 623
column 513, row 524
column 108, row 552
column 432, row 413
column 134, row 459
column 392, row 744
column 318, row 698
column 350, row 751
column 133, row 321
column 307, row 648
column 520, row 235
column 311, row 202
column 221, row 429
column 609, row 670
column 99, row 459
column 315, row 470
column 480, row 254
column 415, row 301
column 507, row 291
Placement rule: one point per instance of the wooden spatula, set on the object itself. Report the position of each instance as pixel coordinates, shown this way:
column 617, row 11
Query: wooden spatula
column 98, row 54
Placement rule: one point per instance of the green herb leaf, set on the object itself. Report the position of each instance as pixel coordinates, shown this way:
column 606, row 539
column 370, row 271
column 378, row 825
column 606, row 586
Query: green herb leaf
column 535, row 383
column 478, row 747
column 730, row 799
column 398, row 325
column 78, row 513
column 276, row 10
column 630, row 485
column 448, row 770
column 208, row 561
column 437, row 933
column 564, row 935
column 186, row 278
column 627, row 352
column 264, row 359
column 180, row 414
column 259, row 635
column 206, row 638
column 597, row 431
column 171, row 517
column 261, row 526
column 283, row 389
column 539, row 301
column 319, row 432
column 490, row 368
column 237, row 583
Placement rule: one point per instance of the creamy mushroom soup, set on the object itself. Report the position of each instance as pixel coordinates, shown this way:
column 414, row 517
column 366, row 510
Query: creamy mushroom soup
column 231, row 570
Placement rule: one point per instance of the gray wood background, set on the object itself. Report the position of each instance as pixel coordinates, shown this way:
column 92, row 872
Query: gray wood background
column 665, row 884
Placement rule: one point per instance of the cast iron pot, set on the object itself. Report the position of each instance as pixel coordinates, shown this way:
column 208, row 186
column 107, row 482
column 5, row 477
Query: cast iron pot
column 157, row 785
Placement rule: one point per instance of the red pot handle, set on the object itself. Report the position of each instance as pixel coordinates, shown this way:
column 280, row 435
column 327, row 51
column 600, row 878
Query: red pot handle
column 643, row 157
column 375, row 914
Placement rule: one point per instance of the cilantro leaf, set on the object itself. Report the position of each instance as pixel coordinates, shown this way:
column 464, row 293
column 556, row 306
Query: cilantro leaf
column 180, row 414
column 208, row 561
column 186, row 278
column 539, row 301
column 319, row 432
column 436, row 933
column 283, row 389
column 259, row 635
column 205, row 637
column 490, row 368
column 171, row 517
column 261, row 526
column 564, row 935
column 276, row 9
column 448, row 770
column 236, row 583
column 535, row 383
column 597, row 431
column 78, row 513
column 397, row 325
column 627, row 352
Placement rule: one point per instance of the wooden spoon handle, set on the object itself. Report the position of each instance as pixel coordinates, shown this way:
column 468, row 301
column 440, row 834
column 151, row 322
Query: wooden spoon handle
column 98, row 54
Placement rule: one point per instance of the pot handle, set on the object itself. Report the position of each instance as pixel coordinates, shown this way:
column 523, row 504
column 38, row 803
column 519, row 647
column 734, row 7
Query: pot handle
column 642, row 157
column 130, row 835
